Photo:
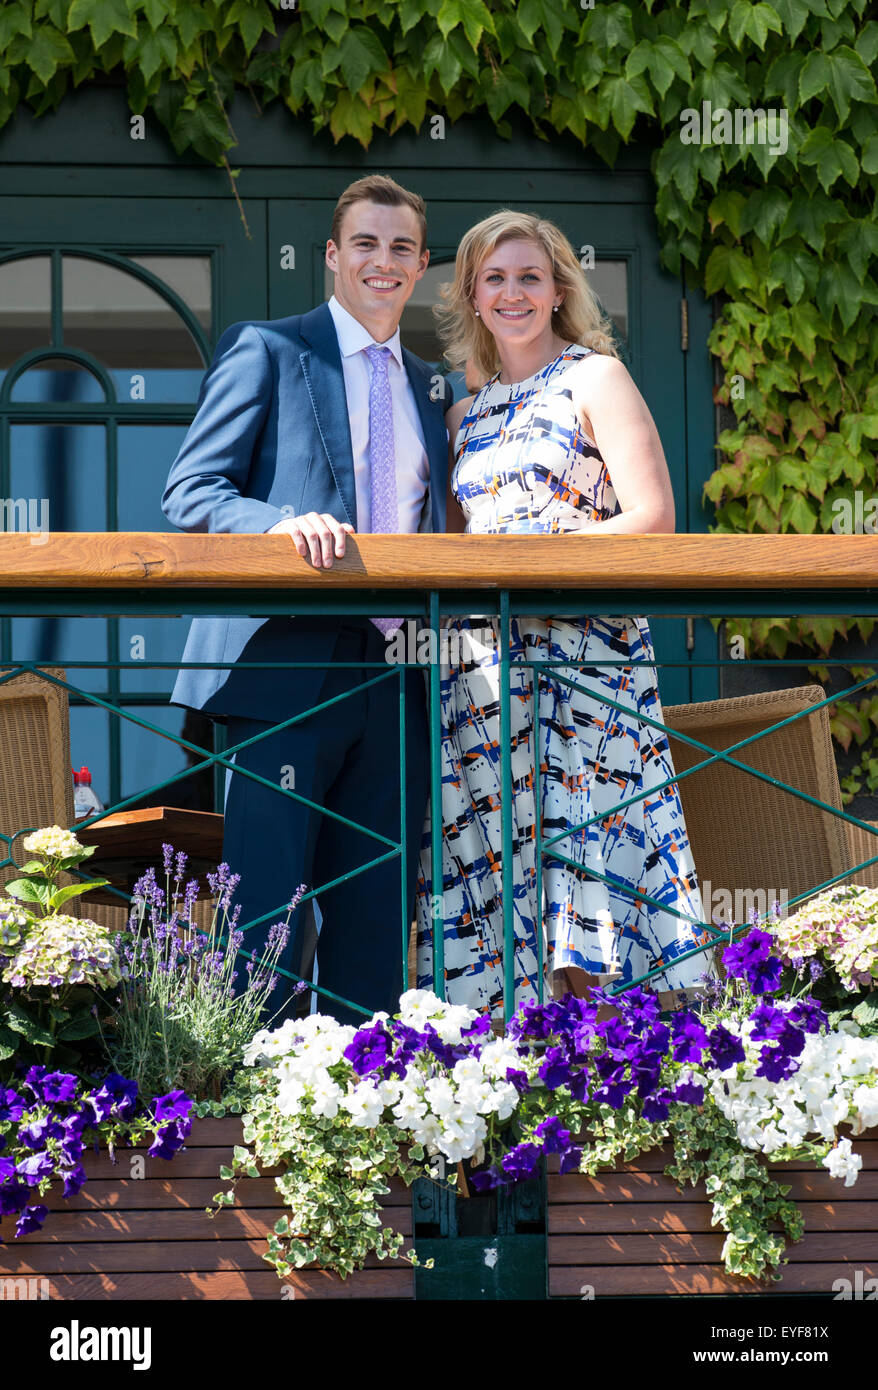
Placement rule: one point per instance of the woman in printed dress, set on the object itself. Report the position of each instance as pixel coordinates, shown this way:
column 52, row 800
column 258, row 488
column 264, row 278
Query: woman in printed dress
column 558, row 440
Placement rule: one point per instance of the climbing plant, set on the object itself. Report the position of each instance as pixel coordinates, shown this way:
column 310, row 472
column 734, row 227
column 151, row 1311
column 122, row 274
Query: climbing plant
column 784, row 233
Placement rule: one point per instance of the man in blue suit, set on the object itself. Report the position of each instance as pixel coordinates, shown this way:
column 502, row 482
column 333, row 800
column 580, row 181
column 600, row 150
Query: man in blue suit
column 321, row 425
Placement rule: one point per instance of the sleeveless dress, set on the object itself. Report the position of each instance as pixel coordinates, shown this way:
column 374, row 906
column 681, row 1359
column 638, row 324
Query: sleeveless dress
column 524, row 464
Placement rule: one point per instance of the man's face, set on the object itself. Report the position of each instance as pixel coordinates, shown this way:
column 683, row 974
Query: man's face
column 377, row 263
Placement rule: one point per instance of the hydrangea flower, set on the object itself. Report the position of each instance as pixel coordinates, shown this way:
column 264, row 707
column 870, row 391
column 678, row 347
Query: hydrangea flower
column 54, row 842
column 62, row 950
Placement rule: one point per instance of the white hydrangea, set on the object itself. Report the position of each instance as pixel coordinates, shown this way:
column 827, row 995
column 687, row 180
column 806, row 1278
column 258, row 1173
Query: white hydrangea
column 54, row 842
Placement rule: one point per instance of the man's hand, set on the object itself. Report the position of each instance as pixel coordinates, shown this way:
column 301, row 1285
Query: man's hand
column 316, row 532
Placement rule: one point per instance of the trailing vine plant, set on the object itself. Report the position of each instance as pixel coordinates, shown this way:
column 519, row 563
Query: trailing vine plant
column 784, row 233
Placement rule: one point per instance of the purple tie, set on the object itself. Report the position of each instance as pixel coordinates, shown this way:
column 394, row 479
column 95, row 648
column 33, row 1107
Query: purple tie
column 385, row 512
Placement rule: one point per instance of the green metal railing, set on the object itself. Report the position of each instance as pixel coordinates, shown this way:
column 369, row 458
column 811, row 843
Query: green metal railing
column 101, row 595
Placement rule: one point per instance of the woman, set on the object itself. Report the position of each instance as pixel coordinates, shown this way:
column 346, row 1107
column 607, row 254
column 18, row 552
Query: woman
column 528, row 455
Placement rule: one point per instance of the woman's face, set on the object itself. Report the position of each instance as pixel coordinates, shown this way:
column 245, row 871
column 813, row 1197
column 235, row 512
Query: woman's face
column 515, row 292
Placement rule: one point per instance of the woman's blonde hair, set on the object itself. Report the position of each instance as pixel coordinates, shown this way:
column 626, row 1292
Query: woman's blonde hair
column 579, row 319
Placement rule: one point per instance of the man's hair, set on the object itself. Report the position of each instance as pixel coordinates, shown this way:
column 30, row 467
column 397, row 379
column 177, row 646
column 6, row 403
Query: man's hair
column 378, row 188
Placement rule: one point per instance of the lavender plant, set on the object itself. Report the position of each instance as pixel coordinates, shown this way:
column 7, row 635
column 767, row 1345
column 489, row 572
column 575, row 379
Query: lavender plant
column 183, row 1016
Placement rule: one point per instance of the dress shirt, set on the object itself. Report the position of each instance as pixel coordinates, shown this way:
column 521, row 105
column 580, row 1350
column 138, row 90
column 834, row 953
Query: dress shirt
column 412, row 467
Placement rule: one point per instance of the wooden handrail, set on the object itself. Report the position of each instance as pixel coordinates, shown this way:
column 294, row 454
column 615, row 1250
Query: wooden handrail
column 134, row 559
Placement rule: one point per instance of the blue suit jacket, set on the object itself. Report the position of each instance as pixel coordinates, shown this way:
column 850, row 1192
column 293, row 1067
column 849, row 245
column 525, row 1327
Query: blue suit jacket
column 271, row 432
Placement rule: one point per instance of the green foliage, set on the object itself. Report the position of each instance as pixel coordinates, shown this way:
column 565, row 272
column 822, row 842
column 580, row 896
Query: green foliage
column 786, row 237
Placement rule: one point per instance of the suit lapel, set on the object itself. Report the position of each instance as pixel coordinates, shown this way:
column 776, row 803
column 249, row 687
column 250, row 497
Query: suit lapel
column 435, row 440
column 322, row 370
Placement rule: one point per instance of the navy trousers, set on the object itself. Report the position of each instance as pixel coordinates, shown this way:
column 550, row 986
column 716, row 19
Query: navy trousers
column 345, row 759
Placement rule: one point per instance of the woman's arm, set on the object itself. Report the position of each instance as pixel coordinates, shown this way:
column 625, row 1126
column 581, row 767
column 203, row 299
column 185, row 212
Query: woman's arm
column 455, row 521
column 614, row 414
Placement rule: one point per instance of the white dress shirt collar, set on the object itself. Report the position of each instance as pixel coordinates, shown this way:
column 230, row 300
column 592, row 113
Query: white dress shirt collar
column 353, row 336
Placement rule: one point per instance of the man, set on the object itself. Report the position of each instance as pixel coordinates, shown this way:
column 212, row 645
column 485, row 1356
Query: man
column 321, row 426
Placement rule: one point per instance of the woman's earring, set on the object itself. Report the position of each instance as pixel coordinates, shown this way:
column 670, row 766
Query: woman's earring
column 555, row 308
column 476, row 312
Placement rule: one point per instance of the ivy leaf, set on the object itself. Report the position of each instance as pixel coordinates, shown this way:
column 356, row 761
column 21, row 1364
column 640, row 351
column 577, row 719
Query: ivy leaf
column 192, row 20
column 8, row 1044
column 814, row 76
column 47, row 48
column 754, row 21
column 858, row 243
column 608, row 27
column 103, row 17
column 472, row 14
column 798, row 514
column 156, row 50
column 838, row 288
column 831, row 156
column 361, row 55
column 625, row 100
column 793, row 16
column 856, row 425
column 804, row 420
column 306, row 78
column 849, row 80
column 783, row 78
column 728, row 268
column 809, row 217
column 869, row 155
column 14, row 19
column 543, row 15
column 409, row 13
column 866, row 43
column 663, row 60
column 253, row 18
column 350, row 116
column 793, row 267
column 676, row 163
column 866, row 1012
column 765, row 212
column 727, row 207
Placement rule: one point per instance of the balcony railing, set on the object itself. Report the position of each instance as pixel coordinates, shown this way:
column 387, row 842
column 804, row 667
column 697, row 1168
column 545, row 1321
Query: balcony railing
column 431, row 577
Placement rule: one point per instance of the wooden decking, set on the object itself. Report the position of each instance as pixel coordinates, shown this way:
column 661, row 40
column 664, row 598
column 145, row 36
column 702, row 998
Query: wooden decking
column 634, row 1232
column 125, row 1237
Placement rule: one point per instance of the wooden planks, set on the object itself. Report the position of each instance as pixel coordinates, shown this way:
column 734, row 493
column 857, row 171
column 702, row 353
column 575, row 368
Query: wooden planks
column 633, row 1232
column 91, row 560
column 129, row 1237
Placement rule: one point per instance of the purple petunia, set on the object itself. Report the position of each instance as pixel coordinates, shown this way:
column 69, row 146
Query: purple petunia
column 176, row 1105
column 35, row 1168
column 658, row 1107
column 725, row 1048
column 521, row 1162
column 519, row 1080
column 58, row 1086
column 745, row 954
column 31, row 1219
column 555, row 1138
column 168, row 1139
column 689, row 1092
column 570, row 1159
column 808, row 1014
column 73, row 1179
column 486, row 1180
column 690, row 1037
column 12, row 1107
column 368, row 1049
column 764, row 977
column 555, row 1068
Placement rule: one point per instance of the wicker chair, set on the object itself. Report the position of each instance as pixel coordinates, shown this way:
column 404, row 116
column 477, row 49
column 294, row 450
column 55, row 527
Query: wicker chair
column 750, row 836
column 36, row 787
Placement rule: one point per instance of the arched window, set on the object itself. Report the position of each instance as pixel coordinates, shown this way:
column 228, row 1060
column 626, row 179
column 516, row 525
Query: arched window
column 101, row 359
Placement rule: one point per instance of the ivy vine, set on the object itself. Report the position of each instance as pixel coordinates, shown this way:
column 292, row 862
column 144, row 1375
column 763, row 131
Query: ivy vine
column 786, row 239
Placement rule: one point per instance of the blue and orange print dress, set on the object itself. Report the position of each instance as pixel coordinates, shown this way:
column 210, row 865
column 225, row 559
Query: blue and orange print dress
column 524, row 464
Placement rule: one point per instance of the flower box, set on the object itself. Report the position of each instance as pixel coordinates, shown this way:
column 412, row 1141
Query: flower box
column 138, row 1230
column 634, row 1232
